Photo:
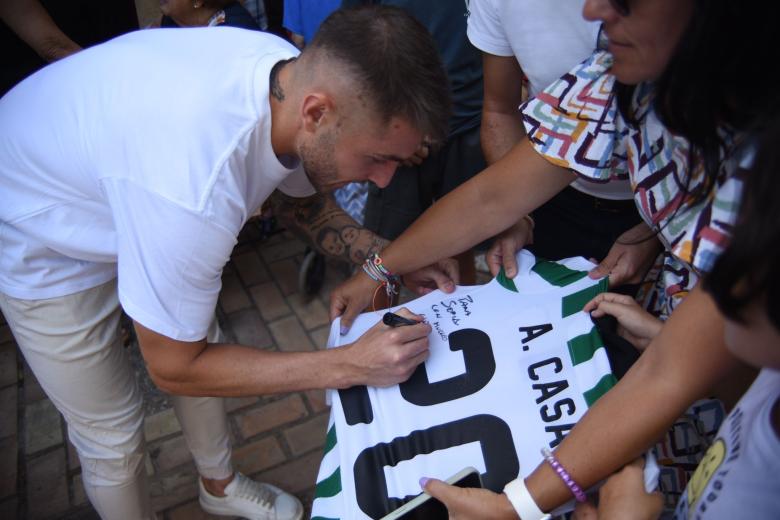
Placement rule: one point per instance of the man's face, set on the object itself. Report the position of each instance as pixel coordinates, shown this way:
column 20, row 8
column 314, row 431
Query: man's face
column 357, row 150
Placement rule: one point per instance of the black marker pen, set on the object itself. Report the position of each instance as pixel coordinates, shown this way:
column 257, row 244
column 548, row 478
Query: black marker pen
column 394, row 320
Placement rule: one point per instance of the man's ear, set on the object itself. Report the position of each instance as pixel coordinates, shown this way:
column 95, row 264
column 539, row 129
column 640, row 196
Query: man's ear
column 317, row 109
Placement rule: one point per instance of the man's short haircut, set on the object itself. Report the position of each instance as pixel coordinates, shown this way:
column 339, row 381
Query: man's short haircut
column 394, row 58
column 748, row 271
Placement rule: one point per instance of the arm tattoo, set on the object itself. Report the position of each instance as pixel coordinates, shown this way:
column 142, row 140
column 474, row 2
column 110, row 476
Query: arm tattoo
column 322, row 223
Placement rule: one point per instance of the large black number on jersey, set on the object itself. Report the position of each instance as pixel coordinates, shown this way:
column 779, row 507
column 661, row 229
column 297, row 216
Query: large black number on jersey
column 480, row 367
column 492, row 433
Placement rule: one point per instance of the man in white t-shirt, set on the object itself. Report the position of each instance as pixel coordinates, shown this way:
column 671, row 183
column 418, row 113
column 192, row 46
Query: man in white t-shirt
column 127, row 172
column 542, row 40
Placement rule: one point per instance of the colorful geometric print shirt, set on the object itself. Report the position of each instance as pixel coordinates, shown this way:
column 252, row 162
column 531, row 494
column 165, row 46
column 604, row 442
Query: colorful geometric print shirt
column 513, row 365
column 574, row 123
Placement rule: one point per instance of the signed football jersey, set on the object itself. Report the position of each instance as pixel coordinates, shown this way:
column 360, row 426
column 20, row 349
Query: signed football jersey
column 513, row 366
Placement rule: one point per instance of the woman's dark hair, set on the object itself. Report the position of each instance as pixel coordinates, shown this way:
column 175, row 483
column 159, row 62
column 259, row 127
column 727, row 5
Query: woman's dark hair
column 718, row 76
column 749, row 270
column 395, row 61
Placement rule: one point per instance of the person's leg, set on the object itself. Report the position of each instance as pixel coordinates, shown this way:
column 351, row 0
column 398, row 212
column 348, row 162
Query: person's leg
column 223, row 491
column 73, row 347
column 204, row 425
column 390, row 210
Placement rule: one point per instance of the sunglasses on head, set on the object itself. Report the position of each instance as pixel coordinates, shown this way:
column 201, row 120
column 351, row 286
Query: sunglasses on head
column 621, row 6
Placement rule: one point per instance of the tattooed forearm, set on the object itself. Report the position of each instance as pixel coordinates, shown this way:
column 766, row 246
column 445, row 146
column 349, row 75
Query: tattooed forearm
column 322, row 223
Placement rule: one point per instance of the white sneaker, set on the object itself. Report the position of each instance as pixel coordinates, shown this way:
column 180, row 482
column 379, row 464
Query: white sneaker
column 253, row 500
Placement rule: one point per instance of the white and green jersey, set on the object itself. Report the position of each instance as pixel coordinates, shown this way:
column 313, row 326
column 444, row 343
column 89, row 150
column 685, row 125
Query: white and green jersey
column 513, row 365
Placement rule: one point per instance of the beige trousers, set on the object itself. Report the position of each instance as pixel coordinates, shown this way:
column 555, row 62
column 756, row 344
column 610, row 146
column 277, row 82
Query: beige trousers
column 73, row 347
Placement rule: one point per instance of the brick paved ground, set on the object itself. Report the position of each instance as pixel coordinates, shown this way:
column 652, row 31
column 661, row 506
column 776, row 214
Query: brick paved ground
column 276, row 438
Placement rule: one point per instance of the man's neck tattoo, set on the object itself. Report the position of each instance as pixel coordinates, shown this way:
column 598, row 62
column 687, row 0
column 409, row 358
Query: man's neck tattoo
column 276, row 89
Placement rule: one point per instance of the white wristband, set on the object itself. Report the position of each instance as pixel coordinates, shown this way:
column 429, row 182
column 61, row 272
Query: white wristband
column 523, row 502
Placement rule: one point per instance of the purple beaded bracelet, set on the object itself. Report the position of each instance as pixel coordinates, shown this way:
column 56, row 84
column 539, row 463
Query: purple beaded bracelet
column 555, row 465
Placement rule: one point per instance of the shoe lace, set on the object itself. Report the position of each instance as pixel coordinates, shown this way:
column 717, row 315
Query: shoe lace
column 253, row 491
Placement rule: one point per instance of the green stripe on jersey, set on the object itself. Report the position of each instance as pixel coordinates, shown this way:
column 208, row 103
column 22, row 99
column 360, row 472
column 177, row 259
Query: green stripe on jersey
column 581, row 348
column 330, row 439
column 604, row 384
column 506, row 283
column 557, row 274
column 329, row 487
column 573, row 303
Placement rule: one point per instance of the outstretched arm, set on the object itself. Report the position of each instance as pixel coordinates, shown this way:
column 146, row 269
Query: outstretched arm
column 681, row 365
column 32, row 23
column 382, row 356
column 319, row 221
column 487, row 204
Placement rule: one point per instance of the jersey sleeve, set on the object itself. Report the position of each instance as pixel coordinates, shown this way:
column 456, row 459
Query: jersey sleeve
column 485, row 30
column 169, row 262
column 574, row 123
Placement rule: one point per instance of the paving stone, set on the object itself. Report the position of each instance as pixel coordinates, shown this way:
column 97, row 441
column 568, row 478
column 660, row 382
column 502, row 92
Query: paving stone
column 269, row 301
column 47, row 485
column 334, row 276
column 32, row 388
column 310, row 311
column 316, row 400
column 42, row 426
column 258, row 455
column 270, row 416
column 192, row 511
column 307, row 436
column 160, row 425
column 249, row 329
column 290, row 336
column 170, row 453
column 78, row 493
column 174, row 489
column 296, row 476
column 235, row 403
column 319, row 337
column 285, row 274
column 250, row 268
column 8, row 462
column 272, row 253
column 232, row 297
column 8, row 408
column 9, row 508
column 8, row 368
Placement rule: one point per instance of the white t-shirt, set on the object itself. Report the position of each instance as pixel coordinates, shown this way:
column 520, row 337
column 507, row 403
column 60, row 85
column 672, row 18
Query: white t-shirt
column 513, row 365
column 738, row 477
column 140, row 158
column 548, row 38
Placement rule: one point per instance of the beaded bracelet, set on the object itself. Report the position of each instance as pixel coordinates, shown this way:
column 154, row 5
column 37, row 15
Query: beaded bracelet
column 376, row 270
column 556, row 466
